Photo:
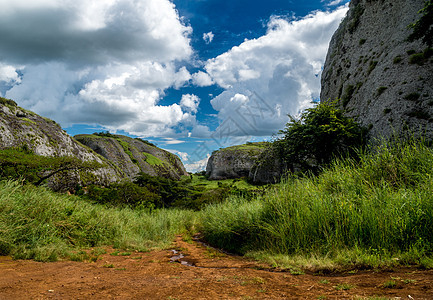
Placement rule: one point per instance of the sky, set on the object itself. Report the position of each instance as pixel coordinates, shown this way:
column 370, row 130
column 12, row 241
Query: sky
column 191, row 76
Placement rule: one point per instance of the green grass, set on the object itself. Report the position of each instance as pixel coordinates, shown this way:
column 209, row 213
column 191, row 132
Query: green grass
column 38, row 224
column 357, row 214
column 368, row 213
column 153, row 160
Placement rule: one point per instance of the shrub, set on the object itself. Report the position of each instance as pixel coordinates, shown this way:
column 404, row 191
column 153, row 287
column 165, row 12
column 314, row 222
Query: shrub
column 412, row 96
column 397, row 59
column 423, row 27
column 381, row 89
column 417, row 58
column 321, row 134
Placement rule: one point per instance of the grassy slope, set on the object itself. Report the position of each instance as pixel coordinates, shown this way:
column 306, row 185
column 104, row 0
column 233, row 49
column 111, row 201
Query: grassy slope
column 378, row 211
column 38, row 224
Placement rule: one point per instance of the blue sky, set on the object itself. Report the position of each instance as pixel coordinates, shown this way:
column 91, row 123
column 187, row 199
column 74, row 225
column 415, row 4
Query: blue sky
column 189, row 75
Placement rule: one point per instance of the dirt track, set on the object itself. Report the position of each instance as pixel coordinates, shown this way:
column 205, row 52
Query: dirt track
column 208, row 275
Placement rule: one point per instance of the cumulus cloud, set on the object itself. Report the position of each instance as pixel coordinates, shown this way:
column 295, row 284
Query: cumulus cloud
column 197, row 166
column 202, row 79
column 8, row 74
column 208, row 37
column 91, row 32
column 272, row 76
column 190, row 103
column 96, row 62
column 336, row 2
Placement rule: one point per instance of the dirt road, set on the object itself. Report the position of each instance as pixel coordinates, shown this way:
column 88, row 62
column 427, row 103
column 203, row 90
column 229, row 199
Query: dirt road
column 202, row 273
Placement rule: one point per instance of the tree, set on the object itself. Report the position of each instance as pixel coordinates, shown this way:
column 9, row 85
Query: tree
column 36, row 169
column 320, row 134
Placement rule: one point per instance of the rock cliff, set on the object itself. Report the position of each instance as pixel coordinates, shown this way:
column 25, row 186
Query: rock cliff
column 120, row 157
column 133, row 156
column 234, row 162
column 382, row 80
column 19, row 127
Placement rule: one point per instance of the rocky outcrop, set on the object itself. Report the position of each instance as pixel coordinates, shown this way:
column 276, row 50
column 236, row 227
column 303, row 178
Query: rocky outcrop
column 234, row 162
column 120, row 157
column 268, row 168
column 19, row 128
column 382, row 80
column 133, row 156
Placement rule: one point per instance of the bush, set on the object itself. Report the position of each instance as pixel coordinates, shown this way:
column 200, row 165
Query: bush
column 321, row 134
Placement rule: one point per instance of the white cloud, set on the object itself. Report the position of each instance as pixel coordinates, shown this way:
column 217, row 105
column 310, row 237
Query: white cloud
column 202, row 79
column 97, row 62
column 183, row 155
column 190, row 103
column 335, row 2
column 197, row 166
column 272, row 76
column 172, row 141
column 208, row 37
column 8, row 74
column 80, row 32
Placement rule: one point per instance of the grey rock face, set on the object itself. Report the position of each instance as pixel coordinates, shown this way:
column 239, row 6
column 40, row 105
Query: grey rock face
column 268, row 168
column 383, row 81
column 133, row 156
column 234, row 162
column 19, row 127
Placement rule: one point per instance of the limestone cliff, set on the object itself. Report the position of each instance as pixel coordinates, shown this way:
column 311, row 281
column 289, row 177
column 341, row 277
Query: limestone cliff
column 234, row 162
column 382, row 80
column 134, row 155
column 19, row 127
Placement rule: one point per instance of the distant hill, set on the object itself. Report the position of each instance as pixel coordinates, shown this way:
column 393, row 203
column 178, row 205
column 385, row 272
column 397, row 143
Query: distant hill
column 120, row 157
column 133, row 156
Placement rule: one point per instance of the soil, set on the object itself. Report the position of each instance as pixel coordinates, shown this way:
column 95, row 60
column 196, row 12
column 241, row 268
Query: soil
column 191, row 270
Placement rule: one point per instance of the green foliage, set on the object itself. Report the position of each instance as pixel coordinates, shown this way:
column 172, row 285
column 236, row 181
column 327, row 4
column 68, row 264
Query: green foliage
column 417, row 58
column 419, row 114
column 7, row 102
column 153, row 160
column 38, row 224
column 104, row 134
column 422, row 57
column 381, row 90
column 362, row 213
column 423, row 27
column 348, row 93
column 397, row 59
column 412, row 96
column 36, row 169
column 356, row 18
column 145, row 142
column 321, row 134
column 122, row 194
column 372, row 66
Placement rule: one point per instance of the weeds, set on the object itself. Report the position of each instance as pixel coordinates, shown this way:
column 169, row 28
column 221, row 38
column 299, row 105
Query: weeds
column 38, row 224
column 358, row 214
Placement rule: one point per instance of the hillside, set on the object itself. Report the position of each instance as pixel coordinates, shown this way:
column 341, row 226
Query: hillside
column 20, row 128
column 120, row 157
column 133, row 156
column 383, row 80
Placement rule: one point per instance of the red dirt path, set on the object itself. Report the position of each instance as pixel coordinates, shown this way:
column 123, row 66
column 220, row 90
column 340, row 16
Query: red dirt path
column 154, row 275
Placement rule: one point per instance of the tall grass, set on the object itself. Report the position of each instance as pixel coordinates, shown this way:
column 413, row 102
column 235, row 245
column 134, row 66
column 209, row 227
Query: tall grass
column 381, row 205
column 38, row 224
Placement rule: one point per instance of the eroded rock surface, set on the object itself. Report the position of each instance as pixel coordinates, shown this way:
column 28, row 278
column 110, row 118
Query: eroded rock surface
column 383, row 81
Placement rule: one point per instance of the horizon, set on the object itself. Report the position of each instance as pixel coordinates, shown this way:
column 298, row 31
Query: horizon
column 189, row 76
